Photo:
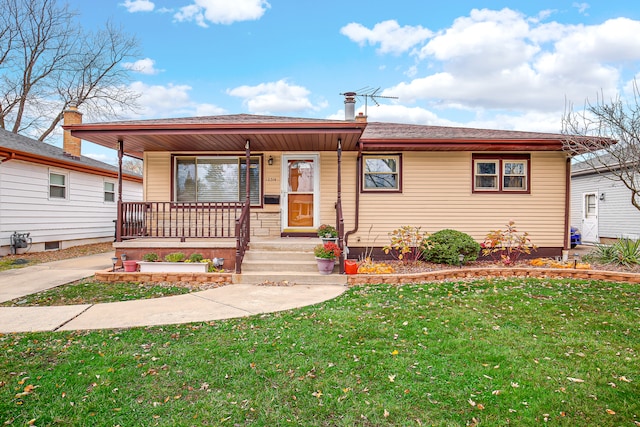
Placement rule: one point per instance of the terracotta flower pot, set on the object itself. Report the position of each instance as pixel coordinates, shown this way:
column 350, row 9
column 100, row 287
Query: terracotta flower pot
column 130, row 265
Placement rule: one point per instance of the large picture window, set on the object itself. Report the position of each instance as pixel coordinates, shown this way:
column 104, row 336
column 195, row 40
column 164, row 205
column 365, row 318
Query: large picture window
column 217, row 179
column 381, row 172
column 501, row 173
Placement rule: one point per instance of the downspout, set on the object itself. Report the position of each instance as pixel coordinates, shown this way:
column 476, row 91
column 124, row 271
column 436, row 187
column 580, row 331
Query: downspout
column 339, row 217
column 119, row 209
column 248, row 185
column 567, row 204
column 357, row 212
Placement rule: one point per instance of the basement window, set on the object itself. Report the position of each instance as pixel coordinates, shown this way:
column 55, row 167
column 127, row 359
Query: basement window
column 51, row 246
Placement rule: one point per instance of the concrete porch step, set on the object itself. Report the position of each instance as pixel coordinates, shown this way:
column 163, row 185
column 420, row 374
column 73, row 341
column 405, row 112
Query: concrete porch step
column 291, row 278
column 304, row 266
column 258, row 255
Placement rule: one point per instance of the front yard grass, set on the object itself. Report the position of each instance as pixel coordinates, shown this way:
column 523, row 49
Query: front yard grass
column 89, row 291
column 490, row 352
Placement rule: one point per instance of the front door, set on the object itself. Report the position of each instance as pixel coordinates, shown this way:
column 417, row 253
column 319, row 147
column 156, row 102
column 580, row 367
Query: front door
column 590, row 218
column 300, row 192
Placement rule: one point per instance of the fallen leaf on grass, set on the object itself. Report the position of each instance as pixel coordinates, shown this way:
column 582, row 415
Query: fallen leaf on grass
column 575, row 380
column 610, row 412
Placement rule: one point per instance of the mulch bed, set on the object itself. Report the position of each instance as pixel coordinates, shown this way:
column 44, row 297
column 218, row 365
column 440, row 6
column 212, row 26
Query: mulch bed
column 399, row 267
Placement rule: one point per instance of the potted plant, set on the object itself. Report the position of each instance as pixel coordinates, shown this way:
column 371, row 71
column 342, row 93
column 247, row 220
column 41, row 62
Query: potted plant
column 326, row 255
column 328, row 233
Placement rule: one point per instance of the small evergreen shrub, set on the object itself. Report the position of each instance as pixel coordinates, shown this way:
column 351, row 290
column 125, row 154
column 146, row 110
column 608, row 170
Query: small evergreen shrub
column 445, row 246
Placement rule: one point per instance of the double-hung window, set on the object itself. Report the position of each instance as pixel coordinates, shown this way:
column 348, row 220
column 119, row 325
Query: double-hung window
column 58, row 185
column 381, row 172
column 506, row 173
column 109, row 191
column 217, row 179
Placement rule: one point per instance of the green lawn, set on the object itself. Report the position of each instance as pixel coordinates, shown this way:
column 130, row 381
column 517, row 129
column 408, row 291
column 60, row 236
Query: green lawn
column 493, row 353
column 88, row 291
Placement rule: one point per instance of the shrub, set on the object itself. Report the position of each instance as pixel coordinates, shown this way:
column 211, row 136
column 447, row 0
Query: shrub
column 445, row 246
column 174, row 257
column 150, row 257
column 195, row 258
column 623, row 252
column 507, row 245
column 407, row 243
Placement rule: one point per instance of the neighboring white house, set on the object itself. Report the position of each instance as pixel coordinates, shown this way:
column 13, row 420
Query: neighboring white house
column 601, row 206
column 60, row 199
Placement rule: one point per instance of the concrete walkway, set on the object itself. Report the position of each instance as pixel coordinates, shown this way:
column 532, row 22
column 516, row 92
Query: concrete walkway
column 213, row 304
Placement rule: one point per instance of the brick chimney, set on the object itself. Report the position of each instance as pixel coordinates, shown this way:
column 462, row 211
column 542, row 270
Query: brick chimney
column 361, row 118
column 70, row 144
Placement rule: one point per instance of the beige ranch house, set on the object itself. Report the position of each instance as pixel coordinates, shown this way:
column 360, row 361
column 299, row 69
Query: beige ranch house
column 214, row 185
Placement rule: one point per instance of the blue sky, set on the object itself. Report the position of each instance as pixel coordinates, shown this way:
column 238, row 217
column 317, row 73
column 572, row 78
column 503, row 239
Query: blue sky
column 487, row 64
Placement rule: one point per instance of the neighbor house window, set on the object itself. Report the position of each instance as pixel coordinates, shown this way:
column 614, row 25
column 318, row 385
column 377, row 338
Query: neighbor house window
column 381, row 172
column 217, row 179
column 501, row 173
column 109, row 192
column 57, row 185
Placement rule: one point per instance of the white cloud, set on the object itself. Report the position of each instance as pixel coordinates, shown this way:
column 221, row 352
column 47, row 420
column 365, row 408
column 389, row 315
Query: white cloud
column 170, row 101
column 502, row 60
column 391, row 37
column 142, row 66
column 275, row 97
column 582, row 7
column 139, row 5
column 222, row 11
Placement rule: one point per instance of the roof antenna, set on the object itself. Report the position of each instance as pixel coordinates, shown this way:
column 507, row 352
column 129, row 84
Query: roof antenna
column 368, row 93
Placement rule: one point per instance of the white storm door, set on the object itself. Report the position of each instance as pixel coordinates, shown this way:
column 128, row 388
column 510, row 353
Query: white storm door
column 301, row 183
column 590, row 218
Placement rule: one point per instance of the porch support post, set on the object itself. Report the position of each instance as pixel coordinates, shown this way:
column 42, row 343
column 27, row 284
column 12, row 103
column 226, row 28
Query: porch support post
column 119, row 208
column 248, row 188
column 339, row 217
column 248, row 184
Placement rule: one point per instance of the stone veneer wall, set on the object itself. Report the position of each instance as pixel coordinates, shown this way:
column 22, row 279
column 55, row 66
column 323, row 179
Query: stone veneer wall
column 265, row 224
column 109, row 276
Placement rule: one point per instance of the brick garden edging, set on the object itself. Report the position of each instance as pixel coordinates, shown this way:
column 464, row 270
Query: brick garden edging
column 393, row 279
column 493, row 272
column 122, row 276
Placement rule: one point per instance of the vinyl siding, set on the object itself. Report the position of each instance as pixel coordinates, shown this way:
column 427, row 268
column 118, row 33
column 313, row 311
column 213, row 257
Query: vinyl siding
column 436, row 194
column 617, row 217
column 26, row 207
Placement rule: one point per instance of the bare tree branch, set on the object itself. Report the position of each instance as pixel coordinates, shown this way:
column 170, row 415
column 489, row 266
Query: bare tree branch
column 47, row 61
column 590, row 134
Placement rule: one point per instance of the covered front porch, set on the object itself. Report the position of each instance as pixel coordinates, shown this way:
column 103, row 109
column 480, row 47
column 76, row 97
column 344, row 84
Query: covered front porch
column 216, row 221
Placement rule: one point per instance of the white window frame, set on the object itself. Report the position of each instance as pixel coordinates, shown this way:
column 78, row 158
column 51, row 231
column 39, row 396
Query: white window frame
column 65, row 186
column 112, row 192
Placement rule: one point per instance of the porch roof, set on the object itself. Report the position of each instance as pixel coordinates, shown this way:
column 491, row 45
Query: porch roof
column 229, row 133
column 222, row 133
